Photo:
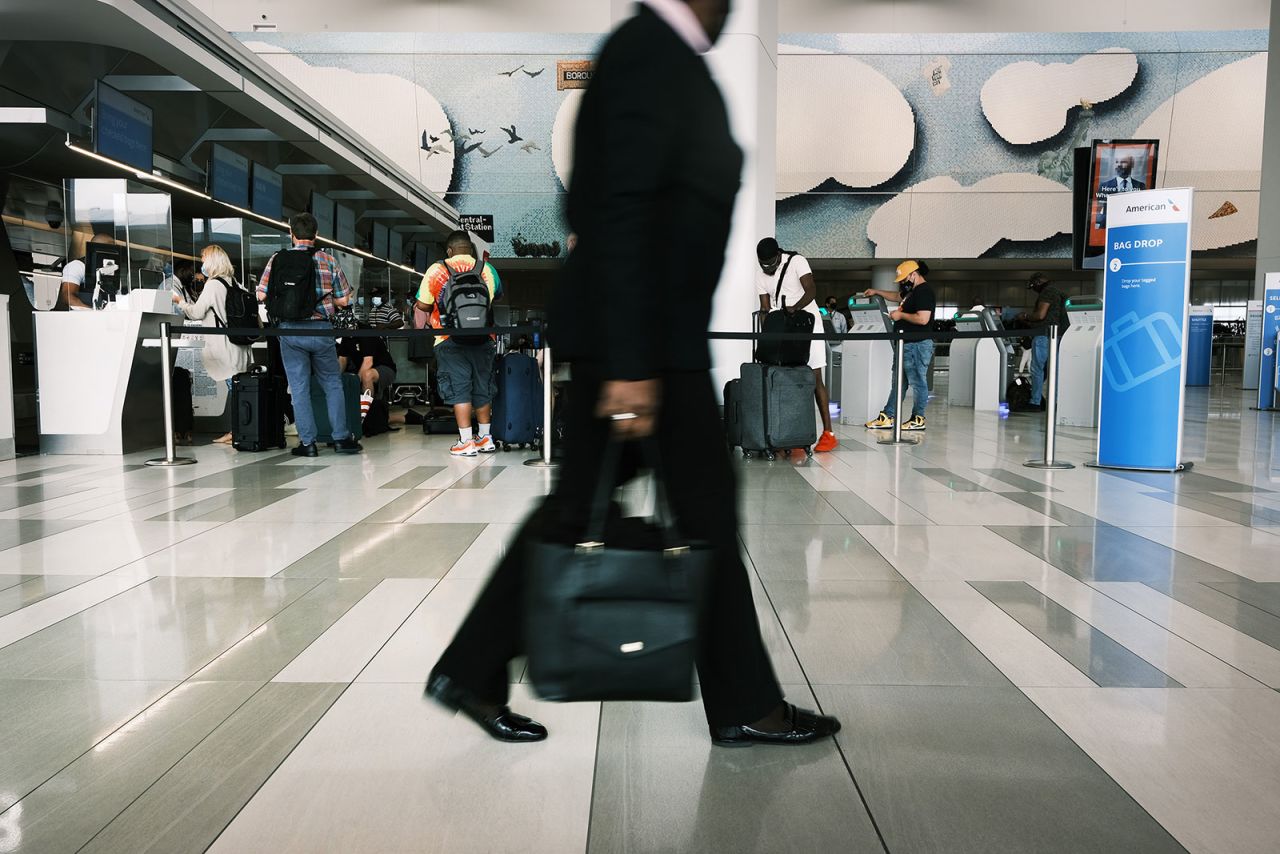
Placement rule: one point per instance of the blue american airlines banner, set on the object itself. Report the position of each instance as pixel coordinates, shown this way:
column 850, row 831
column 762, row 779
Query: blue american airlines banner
column 1144, row 335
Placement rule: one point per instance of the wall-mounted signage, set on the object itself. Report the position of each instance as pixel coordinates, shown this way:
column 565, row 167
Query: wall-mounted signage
column 122, row 128
column 228, row 176
column 267, row 198
column 574, row 73
column 481, row 225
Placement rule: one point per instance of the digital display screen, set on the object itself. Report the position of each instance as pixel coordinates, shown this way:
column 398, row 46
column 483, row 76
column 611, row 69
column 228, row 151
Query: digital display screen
column 395, row 249
column 268, row 192
column 122, row 128
column 322, row 208
column 379, row 240
column 1116, row 166
column 346, row 225
column 228, row 176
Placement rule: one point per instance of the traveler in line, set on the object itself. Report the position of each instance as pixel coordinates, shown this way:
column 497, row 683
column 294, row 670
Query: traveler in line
column 916, row 306
column 464, row 368
column 654, row 158
column 382, row 314
column 321, row 287
column 222, row 359
column 798, row 293
column 369, row 358
column 1050, row 309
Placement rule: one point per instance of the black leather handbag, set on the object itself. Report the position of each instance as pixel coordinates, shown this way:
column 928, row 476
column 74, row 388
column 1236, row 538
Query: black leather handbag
column 615, row 617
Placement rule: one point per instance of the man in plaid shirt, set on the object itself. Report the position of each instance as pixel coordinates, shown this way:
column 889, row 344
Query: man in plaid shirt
column 304, row 356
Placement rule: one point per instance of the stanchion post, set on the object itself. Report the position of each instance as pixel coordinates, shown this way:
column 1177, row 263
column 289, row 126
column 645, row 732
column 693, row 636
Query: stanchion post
column 548, row 369
column 899, row 378
column 166, row 385
column 1050, row 410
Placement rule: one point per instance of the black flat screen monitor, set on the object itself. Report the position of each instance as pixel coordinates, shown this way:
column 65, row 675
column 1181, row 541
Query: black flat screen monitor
column 228, row 176
column 322, row 209
column 122, row 128
column 268, row 192
column 96, row 257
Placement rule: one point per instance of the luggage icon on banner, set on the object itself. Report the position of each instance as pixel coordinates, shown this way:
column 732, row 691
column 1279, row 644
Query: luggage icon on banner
column 1141, row 350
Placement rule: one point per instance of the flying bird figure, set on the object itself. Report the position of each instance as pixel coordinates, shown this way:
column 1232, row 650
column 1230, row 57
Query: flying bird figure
column 436, row 149
column 511, row 132
column 530, row 147
column 488, row 153
column 511, row 73
column 474, row 132
column 467, row 149
column 535, row 73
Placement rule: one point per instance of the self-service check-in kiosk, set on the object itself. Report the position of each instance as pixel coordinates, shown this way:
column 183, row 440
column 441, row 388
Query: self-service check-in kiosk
column 979, row 367
column 1080, row 363
column 866, row 369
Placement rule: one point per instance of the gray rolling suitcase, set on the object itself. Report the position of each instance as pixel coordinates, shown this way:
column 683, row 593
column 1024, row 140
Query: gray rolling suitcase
column 776, row 409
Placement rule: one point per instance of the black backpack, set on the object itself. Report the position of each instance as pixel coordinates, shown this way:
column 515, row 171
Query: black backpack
column 242, row 313
column 465, row 303
column 293, row 291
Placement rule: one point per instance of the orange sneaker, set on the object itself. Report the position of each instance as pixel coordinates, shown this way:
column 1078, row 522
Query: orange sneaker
column 826, row 442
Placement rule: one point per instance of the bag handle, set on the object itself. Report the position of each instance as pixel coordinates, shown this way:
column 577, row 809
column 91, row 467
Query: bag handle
column 604, row 493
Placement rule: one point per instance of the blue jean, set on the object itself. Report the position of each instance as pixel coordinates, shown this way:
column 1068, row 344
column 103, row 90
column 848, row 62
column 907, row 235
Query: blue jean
column 303, row 357
column 1039, row 360
column 916, row 356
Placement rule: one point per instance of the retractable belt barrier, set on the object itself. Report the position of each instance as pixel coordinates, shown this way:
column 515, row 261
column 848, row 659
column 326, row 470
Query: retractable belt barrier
column 900, row 339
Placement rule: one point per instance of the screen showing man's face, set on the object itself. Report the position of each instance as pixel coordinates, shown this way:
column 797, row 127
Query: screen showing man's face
column 1124, row 167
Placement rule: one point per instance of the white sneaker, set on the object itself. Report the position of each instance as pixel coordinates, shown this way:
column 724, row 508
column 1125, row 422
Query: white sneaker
column 486, row 445
column 464, row 449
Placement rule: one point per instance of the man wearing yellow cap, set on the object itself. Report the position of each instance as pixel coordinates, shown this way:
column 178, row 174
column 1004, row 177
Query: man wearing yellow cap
column 916, row 306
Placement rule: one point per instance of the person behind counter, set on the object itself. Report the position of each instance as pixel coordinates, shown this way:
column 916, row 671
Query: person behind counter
column 222, row 359
column 77, row 288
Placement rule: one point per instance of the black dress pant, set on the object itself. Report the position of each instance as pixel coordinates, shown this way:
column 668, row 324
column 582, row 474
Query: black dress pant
column 735, row 674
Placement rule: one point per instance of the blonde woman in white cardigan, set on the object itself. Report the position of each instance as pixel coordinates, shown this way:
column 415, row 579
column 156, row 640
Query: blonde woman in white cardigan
column 222, row 359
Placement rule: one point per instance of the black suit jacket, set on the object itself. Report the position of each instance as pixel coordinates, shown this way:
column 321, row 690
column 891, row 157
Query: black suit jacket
column 655, row 175
column 1113, row 186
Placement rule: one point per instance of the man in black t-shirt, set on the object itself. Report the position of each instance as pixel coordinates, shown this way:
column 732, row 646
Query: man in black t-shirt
column 917, row 304
column 1051, row 308
column 371, row 360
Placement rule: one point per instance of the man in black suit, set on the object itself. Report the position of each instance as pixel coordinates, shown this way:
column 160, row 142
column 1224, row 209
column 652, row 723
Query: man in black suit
column 655, row 175
column 1121, row 183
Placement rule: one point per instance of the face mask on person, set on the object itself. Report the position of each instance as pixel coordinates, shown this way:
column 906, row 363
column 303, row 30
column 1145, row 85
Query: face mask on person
column 206, row 270
column 377, row 302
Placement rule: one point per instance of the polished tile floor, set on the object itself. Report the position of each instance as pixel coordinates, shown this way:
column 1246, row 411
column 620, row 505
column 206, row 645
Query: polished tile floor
column 230, row 656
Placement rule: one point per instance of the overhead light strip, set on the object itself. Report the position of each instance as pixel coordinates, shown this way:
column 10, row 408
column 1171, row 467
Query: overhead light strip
column 191, row 191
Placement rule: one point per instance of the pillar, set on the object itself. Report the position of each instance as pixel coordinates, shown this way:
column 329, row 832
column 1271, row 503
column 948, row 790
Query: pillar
column 1269, row 201
column 882, row 278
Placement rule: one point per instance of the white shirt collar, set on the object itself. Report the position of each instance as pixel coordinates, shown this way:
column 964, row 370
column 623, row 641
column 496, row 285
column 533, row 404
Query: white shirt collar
column 679, row 17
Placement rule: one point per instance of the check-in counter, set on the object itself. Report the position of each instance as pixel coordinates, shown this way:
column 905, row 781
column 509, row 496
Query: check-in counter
column 100, row 389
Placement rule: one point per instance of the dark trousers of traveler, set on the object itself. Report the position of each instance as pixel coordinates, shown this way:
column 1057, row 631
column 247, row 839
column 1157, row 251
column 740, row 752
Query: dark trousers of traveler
column 735, row 674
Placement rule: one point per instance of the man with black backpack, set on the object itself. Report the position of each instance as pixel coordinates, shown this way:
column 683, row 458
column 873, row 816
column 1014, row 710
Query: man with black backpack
column 458, row 294
column 301, row 287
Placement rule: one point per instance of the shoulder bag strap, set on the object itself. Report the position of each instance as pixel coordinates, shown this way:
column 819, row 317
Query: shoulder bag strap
column 782, row 275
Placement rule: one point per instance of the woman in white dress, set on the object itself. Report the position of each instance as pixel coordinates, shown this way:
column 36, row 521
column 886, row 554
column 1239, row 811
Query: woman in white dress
column 222, row 359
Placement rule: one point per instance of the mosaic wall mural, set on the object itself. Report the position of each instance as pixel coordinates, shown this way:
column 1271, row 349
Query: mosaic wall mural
column 959, row 146
column 946, row 146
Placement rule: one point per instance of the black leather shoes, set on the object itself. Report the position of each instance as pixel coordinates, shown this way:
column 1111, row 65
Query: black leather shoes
column 504, row 724
column 306, row 451
column 347, row 446
column 803, row 727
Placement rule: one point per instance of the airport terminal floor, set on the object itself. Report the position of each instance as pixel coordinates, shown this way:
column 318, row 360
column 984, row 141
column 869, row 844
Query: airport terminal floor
column 230, row 656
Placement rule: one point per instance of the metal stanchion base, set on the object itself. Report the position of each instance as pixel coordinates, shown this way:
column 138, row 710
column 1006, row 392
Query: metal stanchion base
column 893, row 441
column 540, row 463
column 176, row 461
column 1094, row 464
column 1051, row 465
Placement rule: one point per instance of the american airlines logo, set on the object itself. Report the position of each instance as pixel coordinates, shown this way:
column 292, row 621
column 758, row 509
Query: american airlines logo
column 1145, row 208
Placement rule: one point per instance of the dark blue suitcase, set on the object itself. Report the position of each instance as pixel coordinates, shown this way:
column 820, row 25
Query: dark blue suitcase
column 517, row 406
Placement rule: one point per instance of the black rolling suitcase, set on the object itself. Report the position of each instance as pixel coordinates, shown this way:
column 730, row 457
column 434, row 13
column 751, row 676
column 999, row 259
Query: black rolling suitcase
column 776, row 410
column 733, row 413
column 257, row 420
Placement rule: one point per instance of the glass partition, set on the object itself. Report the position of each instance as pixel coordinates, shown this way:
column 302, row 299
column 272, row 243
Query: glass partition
column 133, row 216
